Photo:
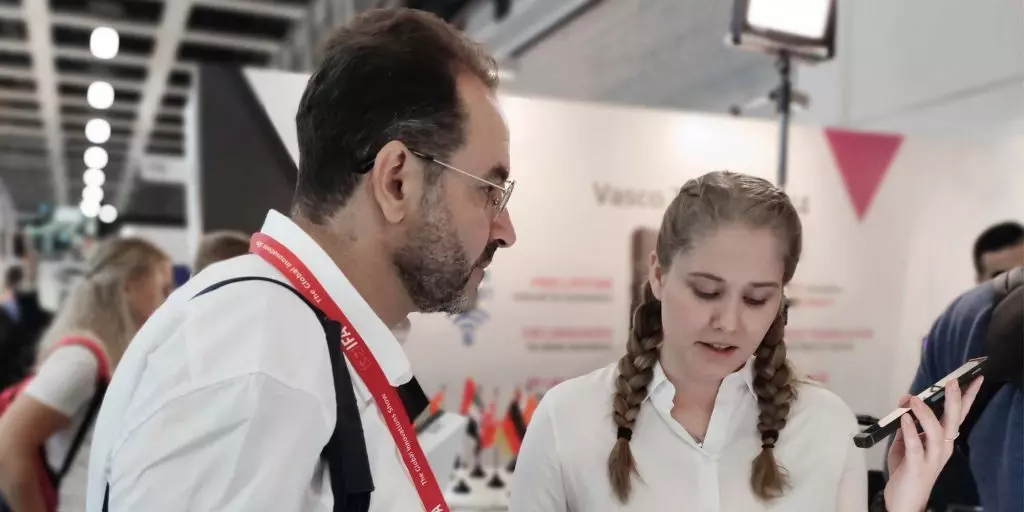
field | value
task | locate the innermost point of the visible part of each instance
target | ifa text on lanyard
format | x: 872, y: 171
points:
x: 354, y: 347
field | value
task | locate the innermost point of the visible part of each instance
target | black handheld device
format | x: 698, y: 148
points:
x: 934, y: 397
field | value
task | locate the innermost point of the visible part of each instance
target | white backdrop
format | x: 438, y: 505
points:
x: 870, y: 283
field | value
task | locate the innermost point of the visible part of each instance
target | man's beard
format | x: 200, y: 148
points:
x: 433, y: 266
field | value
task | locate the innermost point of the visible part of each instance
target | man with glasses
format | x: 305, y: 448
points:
x: 229, y: 399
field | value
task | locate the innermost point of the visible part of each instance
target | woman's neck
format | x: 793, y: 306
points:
x: 691, y: 393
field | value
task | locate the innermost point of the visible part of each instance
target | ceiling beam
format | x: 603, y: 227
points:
x: 85, y: 80
x: 9, y: 95
x: 127, y: 59
x: 22, y: 74
x: 19, y: 113
x: 168, y: 38
x: 75, y: 101
x: 40, y: 39
x: 15, y: 161
x: 141, y: 29
x: 9, y: 45
x: 22, y: 131
x: 293, y: 12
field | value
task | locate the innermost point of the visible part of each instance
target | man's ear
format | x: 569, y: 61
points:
x: 656, y: 275
x: 396, y: 181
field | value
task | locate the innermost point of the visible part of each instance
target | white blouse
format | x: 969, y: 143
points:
x: 563, y: 464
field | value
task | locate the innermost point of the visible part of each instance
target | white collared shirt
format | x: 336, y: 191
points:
x: 563, y: 464
x: 225, y: 402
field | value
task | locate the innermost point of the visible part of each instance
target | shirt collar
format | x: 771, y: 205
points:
x: 378, y: 337
x: 741, y: 380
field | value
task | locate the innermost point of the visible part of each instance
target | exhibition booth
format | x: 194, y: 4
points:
x: 888, y: 225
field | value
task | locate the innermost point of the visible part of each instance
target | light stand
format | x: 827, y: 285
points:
x: 782, y: 100
x: 778, y: 28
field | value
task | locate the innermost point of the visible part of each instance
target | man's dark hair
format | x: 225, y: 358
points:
x: 389, y: 75
x: 997, y: 238
x: 13, y: 277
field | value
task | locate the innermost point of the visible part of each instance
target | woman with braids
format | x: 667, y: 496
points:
x: 704, y: 413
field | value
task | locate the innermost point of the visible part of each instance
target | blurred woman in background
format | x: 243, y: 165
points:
x: 52, y: 412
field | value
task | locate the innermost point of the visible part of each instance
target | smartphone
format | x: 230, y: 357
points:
x: 934, y: 397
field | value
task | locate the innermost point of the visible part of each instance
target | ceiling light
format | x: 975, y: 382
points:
x: 90, y: 210
x: 97, y: 131
x: 104, y: 42
x: 108, y: 213
x: 94, y: 177
x: 95, y: 157
x: 92, y: 195
x: 100, y: 95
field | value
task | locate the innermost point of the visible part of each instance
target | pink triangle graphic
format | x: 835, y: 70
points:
x: 863, y: 159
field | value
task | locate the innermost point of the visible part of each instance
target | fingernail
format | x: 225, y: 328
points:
x: 956, y: 385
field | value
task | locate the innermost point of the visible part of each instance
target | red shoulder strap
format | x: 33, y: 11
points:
x: 94, y: 347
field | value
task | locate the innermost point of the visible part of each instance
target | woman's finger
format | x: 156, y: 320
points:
x: 969, y: 396
x: 933, y: 432
x: 951, y: 416
x: 911, y: 442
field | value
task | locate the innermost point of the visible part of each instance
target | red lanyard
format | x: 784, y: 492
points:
x: 384, y: 394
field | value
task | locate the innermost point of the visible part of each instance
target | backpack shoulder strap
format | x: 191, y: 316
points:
x: 92, y: 346
x: 345, y: 454
x: 102, y: 378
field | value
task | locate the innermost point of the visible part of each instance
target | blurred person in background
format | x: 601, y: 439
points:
x: 22, y: 318
x: 124, y: 282
x: 998, y: 249
x: 989, y: 469
x: 219, y: 246
x: 704, y: 412
x: 236, y: 396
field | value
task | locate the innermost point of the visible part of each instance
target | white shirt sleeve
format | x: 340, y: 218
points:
x: 537, y: 484
x: 853, y: 486
x: 66, y: 381
x: 247, y: 444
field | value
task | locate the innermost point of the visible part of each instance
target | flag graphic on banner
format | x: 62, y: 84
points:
x: 863, y: 159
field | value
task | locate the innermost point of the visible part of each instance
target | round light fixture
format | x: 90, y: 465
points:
x: 108, y: 213
x: 92, y: 195
x: 104, y: 42
x: 96, y: 157
x: 90, y: 210
x: 94, y: 177
x: 100, y: 95
x: 97, y: 131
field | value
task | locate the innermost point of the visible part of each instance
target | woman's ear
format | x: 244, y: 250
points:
x: 656, y: 275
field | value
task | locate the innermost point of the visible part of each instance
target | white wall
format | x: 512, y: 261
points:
x: 947, y: 68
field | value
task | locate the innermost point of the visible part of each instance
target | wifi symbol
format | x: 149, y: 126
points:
x: 468, y: 323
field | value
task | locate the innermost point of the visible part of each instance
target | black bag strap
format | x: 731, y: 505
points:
x: 90, y: 418
x: 56, y: 477
x: 998, y: 332
x: 345, y: 454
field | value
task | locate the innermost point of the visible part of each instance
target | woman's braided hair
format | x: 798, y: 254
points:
x: 704, y: 204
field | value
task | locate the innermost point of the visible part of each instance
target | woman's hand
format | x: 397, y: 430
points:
x: 915, y: 465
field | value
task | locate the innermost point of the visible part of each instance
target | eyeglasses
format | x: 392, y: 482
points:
x: 498, y: 203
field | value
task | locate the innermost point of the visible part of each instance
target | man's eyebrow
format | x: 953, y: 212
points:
x: 498, y: 174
